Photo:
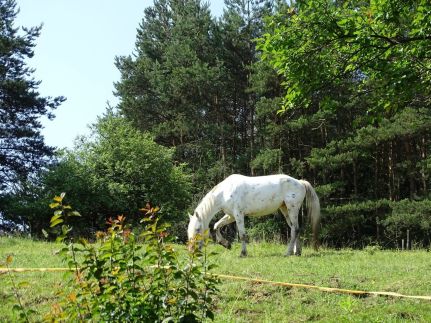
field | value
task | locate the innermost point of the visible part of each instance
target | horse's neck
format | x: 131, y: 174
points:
x: 208, y: 208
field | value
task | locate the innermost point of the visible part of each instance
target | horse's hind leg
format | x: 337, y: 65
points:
x: 291, y: 216
x: 239, y: 218
x: 227, y: 219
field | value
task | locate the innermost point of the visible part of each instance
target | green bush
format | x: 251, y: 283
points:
x: 114, y: 171
x: 384, y: 222
x: 125, y: 276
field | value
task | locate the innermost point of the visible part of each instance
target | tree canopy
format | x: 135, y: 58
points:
x: 377, y: 50
x: 118, y: 170
x: 357, y: 80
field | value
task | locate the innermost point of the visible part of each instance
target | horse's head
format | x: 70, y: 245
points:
x: 195, y: 226
x: 194, y: 229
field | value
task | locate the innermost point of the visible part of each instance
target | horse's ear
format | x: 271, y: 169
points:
x: 190, y: 216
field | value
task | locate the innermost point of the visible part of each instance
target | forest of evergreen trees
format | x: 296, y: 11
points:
x: 336, y: 92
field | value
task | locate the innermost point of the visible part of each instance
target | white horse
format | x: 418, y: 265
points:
x: 238, y: 196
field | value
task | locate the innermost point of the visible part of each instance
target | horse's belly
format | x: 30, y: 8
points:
x: 261, y: 207
x: 261, y: 213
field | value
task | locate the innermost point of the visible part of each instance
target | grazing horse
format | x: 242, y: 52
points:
x: 238, y: 196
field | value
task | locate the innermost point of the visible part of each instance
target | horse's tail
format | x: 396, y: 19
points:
x: 313, y: 210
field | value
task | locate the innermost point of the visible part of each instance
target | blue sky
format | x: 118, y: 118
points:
x: 74, y: 56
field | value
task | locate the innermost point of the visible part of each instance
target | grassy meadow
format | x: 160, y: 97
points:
x: 407, y: 272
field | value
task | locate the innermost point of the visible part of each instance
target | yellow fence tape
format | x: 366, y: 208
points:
x: 254, y: 280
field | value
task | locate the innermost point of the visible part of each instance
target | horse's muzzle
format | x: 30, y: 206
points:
x: 226, y: 244
x: 191, y: 245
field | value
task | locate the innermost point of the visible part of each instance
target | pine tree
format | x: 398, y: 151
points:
x: 22, y: 148
x: 172, y: 87
x: 241, y: 23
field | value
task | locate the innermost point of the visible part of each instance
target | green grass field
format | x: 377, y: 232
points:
x: 370, y: 269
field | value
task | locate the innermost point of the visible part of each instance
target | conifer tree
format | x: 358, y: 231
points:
x: 172, y: 87
x: 22, y: 147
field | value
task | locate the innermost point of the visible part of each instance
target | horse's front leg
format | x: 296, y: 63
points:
x: 242, y: 235
x: 227, y: 219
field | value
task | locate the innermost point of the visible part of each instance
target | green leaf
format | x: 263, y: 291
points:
x: 45, y: 234
x: 65, y: 229
x: 54, y: 223
x: 54, y: 205
x: 58, y: 199
x: 75, y: 213
x: 55, y: 217
x: 60, y: 239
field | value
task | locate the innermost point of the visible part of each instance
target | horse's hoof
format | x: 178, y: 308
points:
x: 243, y: 255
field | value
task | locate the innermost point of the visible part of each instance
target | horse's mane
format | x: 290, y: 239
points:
x: 206, y: 205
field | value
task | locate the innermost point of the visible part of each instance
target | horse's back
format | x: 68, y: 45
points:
x: 236, y: 180
x: 259, y: 195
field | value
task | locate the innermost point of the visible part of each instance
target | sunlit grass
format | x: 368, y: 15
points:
x: 369, y: 269
x: 41, y: 292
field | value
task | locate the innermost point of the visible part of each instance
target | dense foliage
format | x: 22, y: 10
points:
x: 116, y: 171
x: 130, y: 275
x: 188, y: 84
x: 357, y: 81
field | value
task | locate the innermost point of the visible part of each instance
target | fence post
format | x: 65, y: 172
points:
x: 408, y: 240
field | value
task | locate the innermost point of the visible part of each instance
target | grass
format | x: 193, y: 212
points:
x: 371, y: 270
x: 407, y: 272
x: 41, y: 292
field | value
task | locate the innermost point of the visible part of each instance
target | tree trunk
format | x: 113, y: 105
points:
x: 410, y: 167
x: 391, y: 175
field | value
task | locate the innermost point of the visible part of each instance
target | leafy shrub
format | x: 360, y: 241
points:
x: 113, y: 171
x: 23, y: 311
x: 382, y: 221
x: 127, y: 276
